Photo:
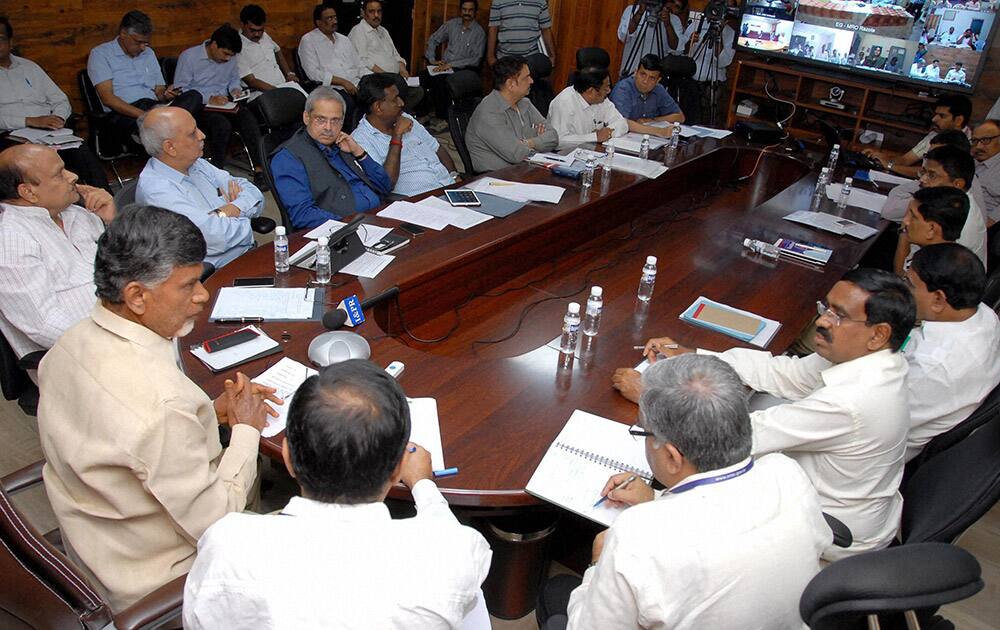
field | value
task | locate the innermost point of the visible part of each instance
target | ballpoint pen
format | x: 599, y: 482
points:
x: 621, y: 485
x: 669, y: 346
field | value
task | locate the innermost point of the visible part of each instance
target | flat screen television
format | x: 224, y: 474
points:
x: 937, y: 43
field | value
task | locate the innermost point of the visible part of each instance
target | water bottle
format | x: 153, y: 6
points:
x: 323, y: 261
x: 592, y: 318
x: 571, y: 328
x: 280, y: 250
x: 609, y: 156
x: 824, y: 177
x: 834, y: 155
x: 648, y: 279
x: 588, y: 173
x: 845, y: 193
x: 675, y: 137
x: 817, y: 198
x: 644, y: 147
x: 768, y: 250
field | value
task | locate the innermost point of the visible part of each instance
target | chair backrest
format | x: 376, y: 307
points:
x: 541, y: 93
x: 307, y: 82
x: 278, y: 108
x: 168, y: 65
x: 13, y: 380
x: 39, y: 586
x: 591, y: 57
x: 90, y: 99
x: 954, y: 488
x: 992, y: 249
x: 126, y: 194
x: 466, y: 91
x: 105, y: 148
x: 269, y: 142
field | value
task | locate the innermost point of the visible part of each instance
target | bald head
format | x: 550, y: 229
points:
x: 171, y: 135
x: 34, y: 175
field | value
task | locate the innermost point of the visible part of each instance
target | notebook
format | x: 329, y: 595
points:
x: 743, y: 325
x: 588, y: 451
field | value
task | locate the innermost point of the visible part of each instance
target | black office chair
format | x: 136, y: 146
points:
x: 677, y: 76
x: 308, y: 84
x: 466, y: 90
x: 168, y: 66
x: 592, y: 57
x: 541, y: 93
x: 102, y: 142
x: 993, y: 258
x: 280, y: 113
x: 953, y: 489
x: 14, y: 380
x: 126, y: 194
x: 855, y: 590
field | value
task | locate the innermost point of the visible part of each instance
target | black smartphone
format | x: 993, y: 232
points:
x: 254, y: 282
x: 412, y: 229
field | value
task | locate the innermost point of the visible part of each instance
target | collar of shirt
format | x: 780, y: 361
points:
x: 308, y: 508
x: 161, y: 169
x: 718, y: 472
x: 136, y: 333
x: 851, y: 371
x: 15, y: 62
x: 31, y: 212
x: 989, y: 164
x: 939, y: 332
x: 202, y: 54
x: 368, y: 28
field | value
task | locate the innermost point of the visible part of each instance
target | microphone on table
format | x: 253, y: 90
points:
x: 350, y: 309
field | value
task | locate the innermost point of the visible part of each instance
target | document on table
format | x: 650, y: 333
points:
x: 434, y: 71
x: 228, y: 357
x: 633, y: 142
x: 425, y: 429
x: 517, y: 191
x: 370, y: 234
x: 460, y: 216
x: 285, y: 376
x: 626, y: 163
x: 552, y: 158
x: 889, y: 178
x: 830, y: 223
x: 425, y: 216
x: 708, y: 132
x: 266, y: 303
x: 858, y: 198
x: 687, y: 131
x: 413, y: 81
x: 368, y: 265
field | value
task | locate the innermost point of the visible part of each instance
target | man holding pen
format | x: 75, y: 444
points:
x: 750, y: 528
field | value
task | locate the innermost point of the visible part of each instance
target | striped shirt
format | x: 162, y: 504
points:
x: 519, y: 25
x: 46, y: 273
x: 420, y: 169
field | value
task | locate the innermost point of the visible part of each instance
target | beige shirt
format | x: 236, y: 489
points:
x: 134, y: 468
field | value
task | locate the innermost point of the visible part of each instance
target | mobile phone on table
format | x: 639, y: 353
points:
x: 411, y: 228
x: 254, y: 282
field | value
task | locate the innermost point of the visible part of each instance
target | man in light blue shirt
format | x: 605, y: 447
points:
x: 210, y: 68
x: 128, y: 80
x: 178, y: 179
x: 413, y: 159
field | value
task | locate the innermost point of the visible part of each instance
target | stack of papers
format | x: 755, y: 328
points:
x: 879, y: 176
x: 266, y: 303
x: 743, y: 325
x: 370, y: 234
x: 516, y: 191
x: 434, y: 71
x: 694, y: 131
x: 830, y: 223
x: 858, y: 198
x: 461, y: 217
x: 56, y: 138
x: 224, y: 359
x: 803, y: 250
x: 633, y: 142
x: 434, y: 214
x: 546, y: 159
x: 625, y: 163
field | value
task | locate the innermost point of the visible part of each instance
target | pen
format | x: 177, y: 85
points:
x: 240, y: 320
x: 447, y: 472
x: 621, y: 485
x: 669, y: 346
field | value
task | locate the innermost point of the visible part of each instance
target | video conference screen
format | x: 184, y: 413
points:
x: 940, y: 42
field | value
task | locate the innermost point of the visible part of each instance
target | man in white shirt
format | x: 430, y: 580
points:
x: 986, y: 151
x: 261, y: 65
x: 847, y: 415
x: 954, y: 355
x: 47, y: 246
x: 644, y: 33
x: 344, y: 561
x: 951, y: 111
x: 331, y: 58
x: 582, y: 112
x: 956, y: 74
x: 374, y: 44
x: 918, y: 68
x: 933, y: 71
x: 710, y: 63
x: 732, y: 541
x: 949, y: 38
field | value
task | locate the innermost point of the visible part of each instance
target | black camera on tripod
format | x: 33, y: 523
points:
x: 653, y: 8
x: 717, y: 10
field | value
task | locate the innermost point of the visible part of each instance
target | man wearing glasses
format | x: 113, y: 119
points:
x: 986, y: 149
x: 321, y: 173
x: 846, y: 416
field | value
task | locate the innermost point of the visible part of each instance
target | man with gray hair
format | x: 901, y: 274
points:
x: 750, y: 529
x: 321, y: 173
x: 134, y: 469
x: 178, y: 178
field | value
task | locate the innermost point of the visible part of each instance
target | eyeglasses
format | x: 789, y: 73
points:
x: 637, y: 432
x: 323, y: 121
x: 144, y: 43
x: 824, y: 310
x: 986, y: 140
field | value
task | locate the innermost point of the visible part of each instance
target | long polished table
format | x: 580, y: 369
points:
x: 478, y: 308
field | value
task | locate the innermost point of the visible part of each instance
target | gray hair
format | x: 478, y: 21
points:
x: 324, y: 93
x: 154, y: 133
x: 136, y: 23
x: 698, y: 404
x: 144, y: 244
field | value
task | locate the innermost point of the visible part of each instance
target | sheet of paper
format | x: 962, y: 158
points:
x: 434, y: 71
x: 517, y: 191
x: 221, y: 359
x: 889, y: 178
x: 285, y: 376
x: 830, y: 223
x: 626, y: 163
x: 368, y: 265
x: 858, y: 198
x: 30, y: 134
x: 459, y: 216
x: 425, y: 429
x: 268, y: 303
x: 708, y: 132
x: 370, y: 234
x: 633, y: 142
x: 551, y: 158
x: 413, y: 81
x: 293, y: 85
x: 61, y: 141
x: 224, y: 107
x: 420, y: 215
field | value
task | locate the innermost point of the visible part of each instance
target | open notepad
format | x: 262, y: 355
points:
x: 579, y: 462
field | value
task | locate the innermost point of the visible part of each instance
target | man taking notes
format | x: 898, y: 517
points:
x: 642, y: 100
x: 582, y: 112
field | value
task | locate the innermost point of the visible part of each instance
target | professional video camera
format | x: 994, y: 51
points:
x: 717, y: 10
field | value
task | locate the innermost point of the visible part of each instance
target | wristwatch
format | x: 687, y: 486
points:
x: 890, y: 164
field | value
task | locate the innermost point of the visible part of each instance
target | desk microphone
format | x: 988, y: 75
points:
x: 337, y: 317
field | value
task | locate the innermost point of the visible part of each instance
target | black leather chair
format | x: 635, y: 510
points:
x: 126, y: 194
x: 855, y: 590
x: 307, y: 84
x: 592, y: 57
x: 42, y: 588
x: 991, y: 293
x: 466, y: 90
x: 168, y: 66
x: 101, y: 141
x: 677, y: 76
x: 14, y: 380
x: 541, y: 93
x: 280, y: 113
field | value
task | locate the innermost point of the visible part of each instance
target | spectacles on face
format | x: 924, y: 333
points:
x: 323, y: 121
x: 141, y: 43
x: 824, y: 310
x: 986, y: 140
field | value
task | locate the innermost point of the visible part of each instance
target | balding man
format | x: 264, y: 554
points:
x: 177, y: 178
x: 986, y: 149
x: 47, y: 246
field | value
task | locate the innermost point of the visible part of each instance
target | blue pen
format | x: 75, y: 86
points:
x: 621, y: 485
x: 447, y: 472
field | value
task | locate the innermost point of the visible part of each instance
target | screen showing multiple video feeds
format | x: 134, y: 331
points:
x: 937, y: 41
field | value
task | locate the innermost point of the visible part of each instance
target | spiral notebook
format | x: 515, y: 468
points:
x: 587, y: 451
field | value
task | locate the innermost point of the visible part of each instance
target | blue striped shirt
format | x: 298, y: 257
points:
x: 420, y: 169
x: 519, y: 25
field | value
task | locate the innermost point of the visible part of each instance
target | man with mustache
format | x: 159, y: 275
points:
x: 846, y: 417
x: 134, y: 468
x: 951, y: 111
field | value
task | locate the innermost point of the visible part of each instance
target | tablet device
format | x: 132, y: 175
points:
x: 462, y: 197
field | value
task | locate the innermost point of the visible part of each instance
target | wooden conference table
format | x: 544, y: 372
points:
x: 501, y: 404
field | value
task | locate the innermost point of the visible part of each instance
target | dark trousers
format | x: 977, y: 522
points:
x: 553, y: 601
x: 122, y: 127
x: 437, y: 86
x: 218, y: 129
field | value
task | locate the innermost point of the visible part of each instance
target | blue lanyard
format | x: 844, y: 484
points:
x: 704, y: 481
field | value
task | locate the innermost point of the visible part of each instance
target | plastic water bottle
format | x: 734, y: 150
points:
x: 323, y: 261
x: 588, y: 173
x: 824, y: 177
x: 592, y: 318
x: 769, y: 250
x: 609, y: 156
x: 648, y: 279
x: 280, y: 250
x: 571, y: 328
x: 644, y: 147
x: 817, y: 198
x: 834, y: 156
x: 675, y: 137
x: 845, y: 193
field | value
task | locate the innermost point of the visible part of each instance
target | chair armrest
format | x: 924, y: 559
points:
x: 24, y: 478
x: 31, y: 360
x: 155, y: 609
x: 842, y: 536
x: 262, y: 225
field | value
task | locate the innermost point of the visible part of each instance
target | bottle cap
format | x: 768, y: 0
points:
x: 650, y: 260
x: 324, y: 241
x: 825, y: 170
x: 279, y: 231
x: 574, y: 308
x: 645, y: 136
x: 598, y: 291
x: 848, y: 181
x: 836, y: 147
x: 747, y: 242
